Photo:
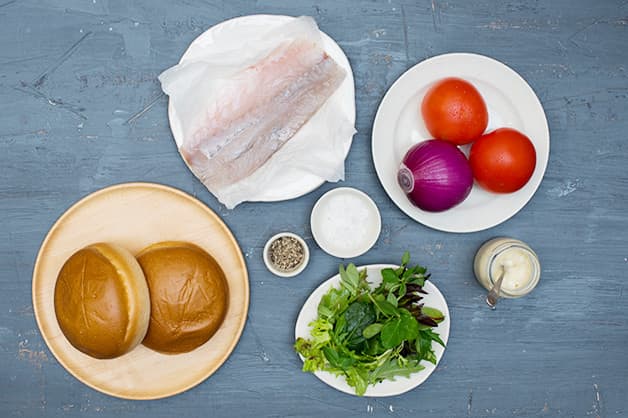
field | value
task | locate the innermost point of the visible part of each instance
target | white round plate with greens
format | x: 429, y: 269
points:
x: 433, y: 298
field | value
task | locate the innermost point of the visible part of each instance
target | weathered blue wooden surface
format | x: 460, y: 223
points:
x: 73, y: 71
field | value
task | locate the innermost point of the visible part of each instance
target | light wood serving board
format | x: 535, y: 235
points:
x: 135, y: 215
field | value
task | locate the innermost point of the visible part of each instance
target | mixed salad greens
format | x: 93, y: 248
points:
x: 369, y: 335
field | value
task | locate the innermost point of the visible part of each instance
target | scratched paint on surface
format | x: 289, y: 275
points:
x: 81, y: 109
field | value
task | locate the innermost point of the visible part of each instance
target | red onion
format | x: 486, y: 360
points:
x: 435, y: 175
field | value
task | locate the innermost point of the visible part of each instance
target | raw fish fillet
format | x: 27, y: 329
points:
x: 258, y: 110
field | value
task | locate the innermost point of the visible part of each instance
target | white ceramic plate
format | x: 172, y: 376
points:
x: 434, y: 298
x: 292, y: 183
x: 345, y: 222
x: 511, y: 103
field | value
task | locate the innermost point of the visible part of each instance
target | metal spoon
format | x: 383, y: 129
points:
x: 493, y: 295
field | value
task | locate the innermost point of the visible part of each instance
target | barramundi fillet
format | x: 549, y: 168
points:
x: 257, y: 110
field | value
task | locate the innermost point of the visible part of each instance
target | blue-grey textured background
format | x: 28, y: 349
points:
x: 73, y: 72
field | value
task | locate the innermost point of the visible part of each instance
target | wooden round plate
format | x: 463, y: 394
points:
x: 135, y: 215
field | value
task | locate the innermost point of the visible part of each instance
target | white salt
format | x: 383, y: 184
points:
x: 345, y: 219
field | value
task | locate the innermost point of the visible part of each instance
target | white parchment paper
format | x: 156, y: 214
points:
x: 317, y: 150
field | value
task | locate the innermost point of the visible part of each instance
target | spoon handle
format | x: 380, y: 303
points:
x: 493, y: 294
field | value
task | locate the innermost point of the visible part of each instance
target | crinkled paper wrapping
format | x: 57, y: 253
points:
x: 318, y: 148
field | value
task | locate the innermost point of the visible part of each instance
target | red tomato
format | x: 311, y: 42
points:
x: 454, y: 110
x: 502, y: 161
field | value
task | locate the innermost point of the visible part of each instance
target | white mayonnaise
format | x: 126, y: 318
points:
x: 520, y: 265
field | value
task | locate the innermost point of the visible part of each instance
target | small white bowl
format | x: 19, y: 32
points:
x: 291, y: 273
x: 345, y: 222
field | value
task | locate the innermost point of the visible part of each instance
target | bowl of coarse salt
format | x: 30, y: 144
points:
x: 345, y: 222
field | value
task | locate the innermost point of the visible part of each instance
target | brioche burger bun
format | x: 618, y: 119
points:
x: 189, y: 296
x: 101, y: 301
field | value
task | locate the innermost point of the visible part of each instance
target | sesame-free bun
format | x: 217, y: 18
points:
x: 189, y: 296
x: 101, y: 301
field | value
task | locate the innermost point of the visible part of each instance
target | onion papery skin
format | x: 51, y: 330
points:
x: 435, y: 175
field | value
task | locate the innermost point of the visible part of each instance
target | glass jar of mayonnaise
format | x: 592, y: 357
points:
x: 515, y: 258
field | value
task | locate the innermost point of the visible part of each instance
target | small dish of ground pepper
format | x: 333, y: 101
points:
x: 286, y: 254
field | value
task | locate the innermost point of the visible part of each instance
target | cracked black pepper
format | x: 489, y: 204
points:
x: 286, y: 253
